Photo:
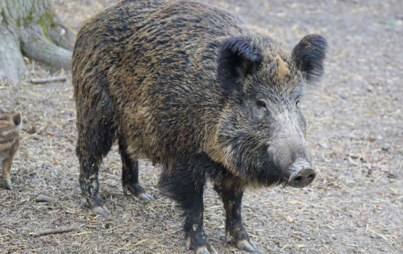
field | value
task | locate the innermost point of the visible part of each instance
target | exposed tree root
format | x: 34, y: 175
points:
x: 32, y: 28
x: 36, y: 46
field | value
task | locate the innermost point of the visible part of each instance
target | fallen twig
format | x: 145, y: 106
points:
x: 43, y: 198
x: 51, y: 79
x: 55, y: 230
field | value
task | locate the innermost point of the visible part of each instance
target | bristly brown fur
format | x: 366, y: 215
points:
x: 192, y: 87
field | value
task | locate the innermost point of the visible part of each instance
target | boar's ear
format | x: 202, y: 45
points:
x: 309, y: 54
x: 17, y: 118
x: 237, y: 58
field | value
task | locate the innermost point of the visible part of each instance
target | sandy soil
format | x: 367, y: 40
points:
x: 355, y: 131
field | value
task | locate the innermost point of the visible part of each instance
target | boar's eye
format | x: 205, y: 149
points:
x: 261, y: 104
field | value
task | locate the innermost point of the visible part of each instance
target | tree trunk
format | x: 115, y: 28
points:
x: 32, y: 28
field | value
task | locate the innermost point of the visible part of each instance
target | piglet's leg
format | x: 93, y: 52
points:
x: 6, y: 171
x: 130, y: 175
x: 231, y: 194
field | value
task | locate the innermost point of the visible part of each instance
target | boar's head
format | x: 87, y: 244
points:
x: 262, y: 132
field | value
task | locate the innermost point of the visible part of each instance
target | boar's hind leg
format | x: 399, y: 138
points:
x: 96, y: 135
x: 231, y: 193
x: 89, y: 167
x: 130, y: 174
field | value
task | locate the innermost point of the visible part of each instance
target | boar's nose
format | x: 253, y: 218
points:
x: 301, y: 175
x: 302, y: 178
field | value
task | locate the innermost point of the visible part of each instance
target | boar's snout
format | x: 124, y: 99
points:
x: 302, y: 174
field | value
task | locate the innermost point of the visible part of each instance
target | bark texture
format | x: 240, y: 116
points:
x: 32, y: 28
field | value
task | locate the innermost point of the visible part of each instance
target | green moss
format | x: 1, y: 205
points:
x: 4, y: 20
x: 46, y: 20
x: 27, y: 20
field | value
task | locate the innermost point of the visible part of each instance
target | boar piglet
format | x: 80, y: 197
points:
x: 193, y: 88
x: 9, y: 141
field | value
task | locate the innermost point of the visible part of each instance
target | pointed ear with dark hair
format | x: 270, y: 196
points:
x: 237, y: 58
x: 309, y: 54
x: 17, y: 118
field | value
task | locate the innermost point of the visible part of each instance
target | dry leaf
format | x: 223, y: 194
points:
x: 90, y: 221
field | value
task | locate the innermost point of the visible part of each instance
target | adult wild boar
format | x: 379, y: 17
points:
x: 193, y: 88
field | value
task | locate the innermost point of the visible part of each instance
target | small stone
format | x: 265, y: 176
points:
x: 31, y: 130
x: 370, y: 88
x: 323, y: 144
x: 385, y: 148
x: 391, y: 175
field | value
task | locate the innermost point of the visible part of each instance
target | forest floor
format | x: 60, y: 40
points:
x: 355, y: 131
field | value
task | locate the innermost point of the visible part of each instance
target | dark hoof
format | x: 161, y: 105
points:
x: 7, y: 184
x: 207, y: 249
x: 145, y: 196
x: 242, y: 244
x: 137, y: 191
x: 99, y: 210
x: 202, y: 250
x: 246, y: 245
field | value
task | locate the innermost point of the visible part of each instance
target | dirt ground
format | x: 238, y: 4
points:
x: 355, y: 131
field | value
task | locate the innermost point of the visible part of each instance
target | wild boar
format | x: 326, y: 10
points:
x: 193, y: 88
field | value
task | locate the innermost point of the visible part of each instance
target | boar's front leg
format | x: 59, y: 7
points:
x: 231, y: 192
x: 184, y: 182
x: 194, y: 227
x: 130, y: 174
